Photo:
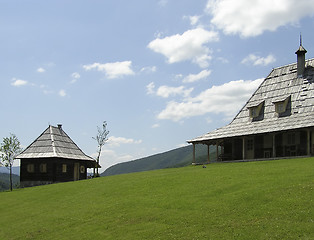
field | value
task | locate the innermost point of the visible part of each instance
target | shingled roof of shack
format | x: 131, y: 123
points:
x: 282, y: 83
x: 55, y: 143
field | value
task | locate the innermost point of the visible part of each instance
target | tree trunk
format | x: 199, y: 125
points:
x: 97, y: 174
x: 11, y: 188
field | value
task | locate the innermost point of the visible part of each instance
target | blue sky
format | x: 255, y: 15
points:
x: 159, y: 72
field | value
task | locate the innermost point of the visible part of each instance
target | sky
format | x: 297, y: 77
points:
x: 159, y: 72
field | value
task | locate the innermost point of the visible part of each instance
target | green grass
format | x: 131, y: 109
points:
x: 255, y: 200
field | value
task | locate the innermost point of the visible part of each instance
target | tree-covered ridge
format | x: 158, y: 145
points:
x: 5, y: 181
x: 174, y: 158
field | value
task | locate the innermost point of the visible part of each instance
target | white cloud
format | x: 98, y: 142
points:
x: 41, y: 70
x: 62, y: 93
x: 150, y: 88
x: 226, y: 99
x: 75, y: 76
x: 166, y: 91
x: 188, y: 46
x: 117, y: 141
x: 182, y: 145
x: 178, y: 76
x: 18, y: 82
x: 156, y: 125
x: 252, y: 17
x: 193, y: 19
x: 196, y: 77
x: 112, y: 70
x: 109, y: 157
x: 223, y: 60
x: 149, y: 69
x: 256, y: 60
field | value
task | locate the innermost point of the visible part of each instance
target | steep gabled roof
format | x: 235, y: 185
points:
x: 280, y: 84
x: 54, y: 143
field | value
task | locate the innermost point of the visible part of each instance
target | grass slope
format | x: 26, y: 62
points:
x: 253, y: 200
x: 175, y: 158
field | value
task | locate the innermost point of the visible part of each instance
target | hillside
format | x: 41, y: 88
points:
x: 251, y: 200
x: 5, y: 181
x: 15, y: 170
x: 175, y: 158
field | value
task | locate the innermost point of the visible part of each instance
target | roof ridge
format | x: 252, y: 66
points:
x: 281, y: 82
x: 52, y: 141
x: 33, y: 142
x: 77, y: 147
x: 290, y: 64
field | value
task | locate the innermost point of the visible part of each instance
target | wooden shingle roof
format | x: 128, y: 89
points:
x: 280, y: 84
x: 54, y: 143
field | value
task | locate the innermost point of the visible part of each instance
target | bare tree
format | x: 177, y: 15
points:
x: 9, y: 148
x: 101, y: 139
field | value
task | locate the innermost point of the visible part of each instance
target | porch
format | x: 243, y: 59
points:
x: 262, y: 146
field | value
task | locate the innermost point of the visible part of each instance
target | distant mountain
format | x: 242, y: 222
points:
x: 15, y: 170
x: 5, y: 181
x: 175, y: 158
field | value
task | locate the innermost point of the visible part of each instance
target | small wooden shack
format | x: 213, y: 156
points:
x: 53, y: 157
x: 277, y: 121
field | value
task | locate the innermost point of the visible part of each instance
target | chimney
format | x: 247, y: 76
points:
x: 60, y: 126
x: 300, y: 59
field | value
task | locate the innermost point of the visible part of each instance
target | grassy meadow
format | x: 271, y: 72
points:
x: 252, y: 200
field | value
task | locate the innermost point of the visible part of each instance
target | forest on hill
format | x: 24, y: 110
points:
x: 5, y: 181
x: 179, y: 157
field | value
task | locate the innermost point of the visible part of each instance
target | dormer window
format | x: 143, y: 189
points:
x: 255, y: 110
x: 282, y: 105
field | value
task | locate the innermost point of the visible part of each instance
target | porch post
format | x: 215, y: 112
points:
x: 233, y: 149
x: 217, y: 154
x: 194, y: 153
x: 274, y: 145
x: 243, y: 148
x: 208, y: 158
x: 308, y: 142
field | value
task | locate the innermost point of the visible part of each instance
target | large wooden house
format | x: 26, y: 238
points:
x: 277, y: 121
x: 53, y: 157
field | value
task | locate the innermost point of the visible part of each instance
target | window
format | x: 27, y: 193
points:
x: 291, y: 139
x: 64, y: 168
x: 82, y: 169
x: 267, y: 154
x: 256, y: 109
x: 43, y: 167
x: 280, y: 108
x: 254, y: 112
x: 30, y: 168
x: 249, y: 145
x: 282, y: 105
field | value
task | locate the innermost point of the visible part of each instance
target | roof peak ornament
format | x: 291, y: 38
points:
x: 300, y: 58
